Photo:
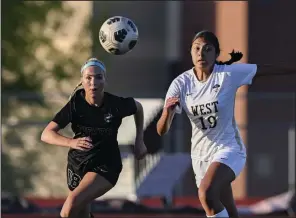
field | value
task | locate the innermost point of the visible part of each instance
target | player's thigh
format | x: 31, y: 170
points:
x: 216, y: 176
x: 90, y: 187
x: 206, y: 173
x: 233, y: 159
x: 225, y: 166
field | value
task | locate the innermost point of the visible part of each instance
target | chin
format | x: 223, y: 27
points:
x: 202, y: 65
x: 95, y: 95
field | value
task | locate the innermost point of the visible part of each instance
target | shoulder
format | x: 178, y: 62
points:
x: 111, y: 96
x: 125, y: 105
x: 236, y: 67
x: 115, y: 98
x: 183, y: 78
x: 221, y: 69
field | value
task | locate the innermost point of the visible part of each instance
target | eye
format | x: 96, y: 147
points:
x: 99, y: 76
x: 195, y: 48
x: 208, y: 48
x: 88, y: 78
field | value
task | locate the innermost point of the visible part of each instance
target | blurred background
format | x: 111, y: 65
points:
x: 44, y: 44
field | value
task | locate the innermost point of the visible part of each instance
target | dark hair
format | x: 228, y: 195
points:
x: 212, y: 38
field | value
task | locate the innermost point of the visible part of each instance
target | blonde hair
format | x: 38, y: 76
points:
x: 95, y: 62
x: 75, y: 89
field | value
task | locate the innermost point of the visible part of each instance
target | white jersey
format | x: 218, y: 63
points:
x: 209, y: 106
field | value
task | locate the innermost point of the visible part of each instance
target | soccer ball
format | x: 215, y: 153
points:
x: 118, y: 35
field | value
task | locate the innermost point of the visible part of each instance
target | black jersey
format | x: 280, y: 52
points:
x: 99, y: 123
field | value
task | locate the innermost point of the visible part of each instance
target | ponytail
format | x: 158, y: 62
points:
x: 75, y: 89
x: 235, y: 56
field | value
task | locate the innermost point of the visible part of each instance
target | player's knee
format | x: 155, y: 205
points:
x: 208, y: 193
x: 70, y: 206
x: 64, y: 214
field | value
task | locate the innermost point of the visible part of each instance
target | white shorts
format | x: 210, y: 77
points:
x: 234, y: 159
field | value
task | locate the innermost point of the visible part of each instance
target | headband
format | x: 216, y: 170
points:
x: 93, y: 63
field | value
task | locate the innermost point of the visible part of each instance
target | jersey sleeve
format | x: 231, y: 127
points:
x: 242, y: 74
x: 174, y: 91
x: 64, y: 116
x: 127, y: 106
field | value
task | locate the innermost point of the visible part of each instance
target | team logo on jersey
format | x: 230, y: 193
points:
x: 108, y: 117
x: 216, y: 87
x: 73, y: 179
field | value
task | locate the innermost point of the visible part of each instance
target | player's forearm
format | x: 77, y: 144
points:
x: 164, y: 123
x: 139, y: 120
x: 54, y: 138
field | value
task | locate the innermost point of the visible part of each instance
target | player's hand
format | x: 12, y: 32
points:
x: 171, y: 103
x: 140, y: 149
x: 82, y: 144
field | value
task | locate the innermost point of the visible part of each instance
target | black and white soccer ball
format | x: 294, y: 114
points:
x: 118, y: 35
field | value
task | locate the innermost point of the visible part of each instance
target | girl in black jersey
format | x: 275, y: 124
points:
x: 94, y: 161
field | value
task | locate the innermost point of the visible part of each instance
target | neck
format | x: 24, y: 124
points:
x: 96, y: 101
x: 202, y: 74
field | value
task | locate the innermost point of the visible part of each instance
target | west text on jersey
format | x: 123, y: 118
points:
x: 204, y: 109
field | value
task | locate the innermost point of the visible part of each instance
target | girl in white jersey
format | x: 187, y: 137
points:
x: 207, y: 94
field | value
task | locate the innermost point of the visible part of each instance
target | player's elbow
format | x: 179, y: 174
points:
x: 161, y: 132
x: 49, y: 132
x: 43, y: 136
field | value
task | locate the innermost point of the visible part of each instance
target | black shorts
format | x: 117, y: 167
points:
x: 75, y: 174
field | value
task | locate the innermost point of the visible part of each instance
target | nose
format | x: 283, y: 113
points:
x: 202, y: 52
x: 94, y: 81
